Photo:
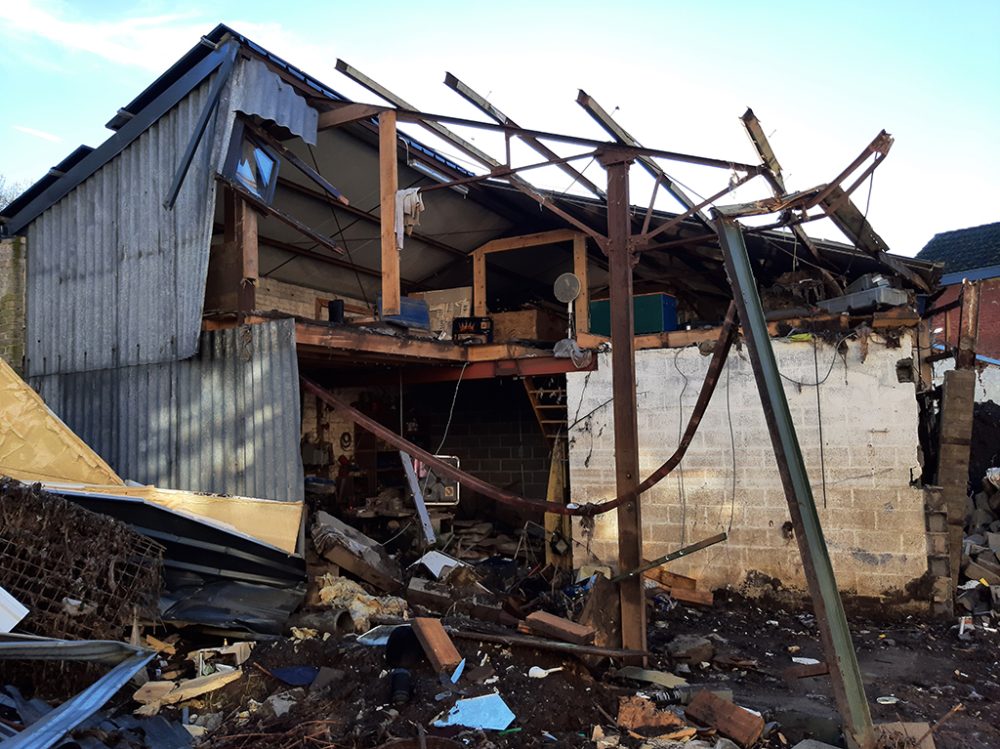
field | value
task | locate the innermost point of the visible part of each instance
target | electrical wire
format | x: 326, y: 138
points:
x: 819, y: 418
x: 340, y: 232
x: 447, y: 426
x: 680, y: 431
x: 732, y: 450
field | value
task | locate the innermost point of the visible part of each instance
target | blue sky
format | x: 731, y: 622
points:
x: 823, y: 80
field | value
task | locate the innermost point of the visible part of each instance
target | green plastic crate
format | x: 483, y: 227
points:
x: 652, y: 313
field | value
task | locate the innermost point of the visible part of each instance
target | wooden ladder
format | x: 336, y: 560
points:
x: 547, y: 396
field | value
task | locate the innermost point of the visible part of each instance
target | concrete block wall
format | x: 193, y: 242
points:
x: 873, y: 519
x: 12, y: 268
x: 296, y: 300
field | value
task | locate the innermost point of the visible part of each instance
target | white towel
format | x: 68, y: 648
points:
x: 409, y: 204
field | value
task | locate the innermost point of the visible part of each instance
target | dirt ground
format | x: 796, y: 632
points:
x: 925, y: 665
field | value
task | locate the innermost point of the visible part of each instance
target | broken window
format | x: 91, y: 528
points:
x: 251, y: 164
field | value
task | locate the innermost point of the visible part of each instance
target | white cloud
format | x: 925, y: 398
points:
x: 150, y: 42
x: 37, y: 133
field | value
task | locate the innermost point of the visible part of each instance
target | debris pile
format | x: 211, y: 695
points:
x: 979, y: 595
x: 80, y: 575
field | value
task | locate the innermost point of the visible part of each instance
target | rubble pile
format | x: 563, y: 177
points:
x: 422, y: 648
x: 979, y: 595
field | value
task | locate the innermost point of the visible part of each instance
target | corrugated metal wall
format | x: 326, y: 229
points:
x: 225, y: 421
x: 114, y: 278
x: 115, y: 290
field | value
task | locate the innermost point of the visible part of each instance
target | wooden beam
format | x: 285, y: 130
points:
x: 479, y: 284
x: 248, y: 252
x: 345, y: 114
x: 485, y: 106
x: 529, y: 240
x: 581, y: 306
x: 388, y: 185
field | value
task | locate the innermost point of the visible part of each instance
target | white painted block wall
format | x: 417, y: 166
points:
x: 872, y: 517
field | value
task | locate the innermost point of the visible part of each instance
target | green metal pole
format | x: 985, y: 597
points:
x: 845, y: 674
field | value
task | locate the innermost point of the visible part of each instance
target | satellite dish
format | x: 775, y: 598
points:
x: 566, y: 288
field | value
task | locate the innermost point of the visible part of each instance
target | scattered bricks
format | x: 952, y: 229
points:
x: 976, y: 571
x: 562, y: 629
x: 732, y: 721
x: 440, y: 650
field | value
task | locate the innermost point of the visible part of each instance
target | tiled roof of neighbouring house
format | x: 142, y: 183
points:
x: 964, y: 249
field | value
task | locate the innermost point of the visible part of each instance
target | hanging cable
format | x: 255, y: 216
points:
x: 680, y: 431
x: 732, y: 450
x: 340, y: 232
x: 819, y: 418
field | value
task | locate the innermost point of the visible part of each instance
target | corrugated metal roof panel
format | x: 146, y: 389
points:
x: 256, y: 90
x: 226, y: 421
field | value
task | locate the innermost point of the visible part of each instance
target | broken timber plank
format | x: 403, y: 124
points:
x: 440, y: 650
x: 545, y: 623
x: 540, y: 643
x: 695, y: 597
x: 732, y: 721
x: 355, y: 552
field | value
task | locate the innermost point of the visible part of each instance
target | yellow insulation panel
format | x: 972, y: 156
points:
x: 36, y: 446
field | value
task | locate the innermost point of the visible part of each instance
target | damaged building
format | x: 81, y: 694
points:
x: 264, y: 305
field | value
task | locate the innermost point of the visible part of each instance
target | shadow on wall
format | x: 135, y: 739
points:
x: 225, y: 421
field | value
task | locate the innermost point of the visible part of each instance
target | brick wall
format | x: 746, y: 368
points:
x: 12, y: 266
x: 873, y: 519
x: 988, y: 333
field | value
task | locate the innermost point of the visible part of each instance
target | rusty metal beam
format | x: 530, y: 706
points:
x: 406, y: 112
x: 481, y: 103
x: 835, y: 634
x: 605, y: 120
x: 620, y: 261
x: 777, y: 182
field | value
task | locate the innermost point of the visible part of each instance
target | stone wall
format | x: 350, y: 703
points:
x: 872, y: 517
x: 12, y: 266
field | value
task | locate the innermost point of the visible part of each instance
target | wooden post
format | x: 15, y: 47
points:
x: 968, y: 329
x: 581, y: 307
x: 388, y: 185
x: 248, y: 253
x: 620, y: 262
x: 479, y: 283
x: 557, y: 493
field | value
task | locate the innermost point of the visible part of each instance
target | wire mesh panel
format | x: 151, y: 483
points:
x: 81, y: 575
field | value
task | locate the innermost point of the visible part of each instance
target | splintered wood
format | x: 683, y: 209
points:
x: 640, y: 714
